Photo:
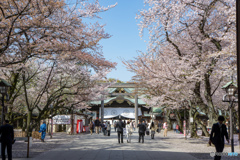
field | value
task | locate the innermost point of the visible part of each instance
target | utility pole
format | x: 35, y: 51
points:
x: 102, y: 110
x: 136, y: 109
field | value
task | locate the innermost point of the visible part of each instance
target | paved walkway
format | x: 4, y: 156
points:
x: 99, y: 147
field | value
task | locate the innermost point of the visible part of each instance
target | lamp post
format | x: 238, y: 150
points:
x: 231, y: 90
x: 3, y: 90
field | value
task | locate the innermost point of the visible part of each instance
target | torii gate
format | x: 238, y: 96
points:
x: 123, y: 85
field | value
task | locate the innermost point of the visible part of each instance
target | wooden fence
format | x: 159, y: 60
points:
x: 35, y: 134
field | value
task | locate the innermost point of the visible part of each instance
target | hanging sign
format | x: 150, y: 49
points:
x: 62, y: 119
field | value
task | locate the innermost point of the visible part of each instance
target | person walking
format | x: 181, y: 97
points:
x: 177, y: 128
x: 218, y: 132
x: 146, y: 127
x: 165, y: 129
x: 159, y: 127
x: 43, y: 128
x: 104, y: 124
x: 153, y: 129
x: 108, y: 128
x: 133, y: 125
x: 174, y: 127
x: 141, y: 131
x: 97, y: 124
x: 120, y: 126
x: 7, y: 139
x: 91, y: 127
x: 115, y: 125
x: 129, y: 130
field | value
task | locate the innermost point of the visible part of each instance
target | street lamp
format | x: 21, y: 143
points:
x: 231, y: 90
x: 3, y: 90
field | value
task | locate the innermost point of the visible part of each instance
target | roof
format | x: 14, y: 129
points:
x: 121, y: 97
x: 123, y: 85
x: 2, y: 81
x: 106, y: 101
x: 228, y: 84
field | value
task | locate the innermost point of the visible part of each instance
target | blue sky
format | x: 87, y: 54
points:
x: 125, y: 41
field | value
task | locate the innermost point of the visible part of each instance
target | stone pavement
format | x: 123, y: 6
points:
x: 99, y: 147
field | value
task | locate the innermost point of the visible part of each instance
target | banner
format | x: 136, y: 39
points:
x: 125, y: 112
x: 62, y: 119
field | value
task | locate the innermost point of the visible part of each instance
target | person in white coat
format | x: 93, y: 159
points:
x: 128, y: 132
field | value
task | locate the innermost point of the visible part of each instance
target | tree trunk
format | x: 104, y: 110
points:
x: 179, y: 121
x: 29, y: 119
x: 24, y: 124
x: 168, y: 118
x: 204, y: 128
x: 193, y: 124
x: 205, y: 131
x: 193, y: 131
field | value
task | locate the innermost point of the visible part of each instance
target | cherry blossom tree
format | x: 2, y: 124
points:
x: 55, y: 87
x: 47, y: 49
x: 190, y: 43
x: 52, y: 30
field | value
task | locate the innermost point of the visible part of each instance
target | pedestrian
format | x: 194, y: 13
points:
x: 177, y: 128
x: 124, y: 122
x: 43, y: 128
x: 153, y: 129
x: 159, y: 127
x: 219, y: 130
x: 7, y: 139
x: 115, y: 125
x: 120, y: 126
x: 165, y: 129
x: 143, y: 123
x: 141, y: 131
x: 104, y: 128
x: 133, y: 125
x: 97, y: 124
x: 91, y: 127
x: 174, y: 127
x: 108, y: 129
x: 129, y: 130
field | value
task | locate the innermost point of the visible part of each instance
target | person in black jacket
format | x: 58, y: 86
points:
x: 7, y: 138
x: 97, y: 124
x: 219, y: 130
x: 141, y: 131
x: 120, y: 126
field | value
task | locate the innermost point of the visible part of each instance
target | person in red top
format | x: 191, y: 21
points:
x: 177, y: 128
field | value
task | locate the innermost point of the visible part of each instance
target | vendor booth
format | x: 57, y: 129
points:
x: 79, y: 126
x: 64, y: 123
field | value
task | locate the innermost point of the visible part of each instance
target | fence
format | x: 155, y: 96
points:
x: 19, y: 133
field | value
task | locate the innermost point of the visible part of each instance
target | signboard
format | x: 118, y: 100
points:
x: 191, y: 119
x: 62, y: 119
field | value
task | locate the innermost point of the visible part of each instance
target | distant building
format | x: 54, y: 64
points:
x: 121, y: 103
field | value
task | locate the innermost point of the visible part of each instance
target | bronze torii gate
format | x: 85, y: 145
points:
x: 123, y: 85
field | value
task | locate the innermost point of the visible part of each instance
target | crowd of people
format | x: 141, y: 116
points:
x: 123, y: 127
